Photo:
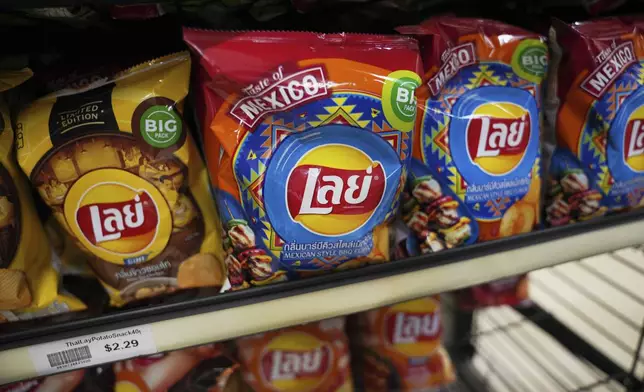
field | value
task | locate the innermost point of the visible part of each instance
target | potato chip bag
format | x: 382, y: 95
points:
x: 195, y: 369
x: 478, y: 131
x: 28, y: 280
x: 308, y: 147
x: 61, y: 382
x: 598, y: 165
x: 475, y: 173
x: 511, y: 291
x: 117, y: 165
x: 312, y: 357
x: 398, y: 348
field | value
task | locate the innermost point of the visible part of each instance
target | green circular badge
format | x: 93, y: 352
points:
x: 402, y: 98
x: 398, y: 99
x: 530, y: 60
x: 160, y: 126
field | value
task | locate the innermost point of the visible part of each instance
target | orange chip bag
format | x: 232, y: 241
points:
x: 308, y: 146
x: 475, y: 175
x: 312, y: 357
x: 398, y: 348
x: 597, y: 167
x: 61, y: 382
x: 195, y: 369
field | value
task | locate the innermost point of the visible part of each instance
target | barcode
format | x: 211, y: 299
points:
x: 69, y: 356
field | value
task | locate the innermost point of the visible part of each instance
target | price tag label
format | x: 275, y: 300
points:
x: 91, y: 350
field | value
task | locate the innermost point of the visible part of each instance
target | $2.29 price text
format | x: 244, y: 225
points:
x: 124, y: 345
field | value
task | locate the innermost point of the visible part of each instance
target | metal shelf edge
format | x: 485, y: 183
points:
x: 250, y: 318
x: 356, y: 297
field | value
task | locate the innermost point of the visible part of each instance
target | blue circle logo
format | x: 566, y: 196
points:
x: 331, y: 181
x: 625, y: 147
x: 494, y: 133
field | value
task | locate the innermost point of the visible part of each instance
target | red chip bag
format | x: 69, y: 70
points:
x: 398, y: 348
x: 202, y: 368
x: 312, y: 357
x: 475, y: 174
x: 510, y: 291
x: 62, y: 382
x: 308, y: 139
x: 597, y: 167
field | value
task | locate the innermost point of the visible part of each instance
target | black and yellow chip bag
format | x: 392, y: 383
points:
x: 117, y: 165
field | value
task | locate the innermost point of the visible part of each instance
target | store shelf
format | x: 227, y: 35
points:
x: 194, y: 318
x: 600, y: 300
x: 581, y: 332
x: 512, y: 353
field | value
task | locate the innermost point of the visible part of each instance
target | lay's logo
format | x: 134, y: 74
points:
x: 295, y: 361
x: 291, y: 365
x: 413, y: 328
x: 634, y: 144
x: 118, y: 216
x: 103, y: 222
x: 625, y: 143
x: 407, y: 327
x: 334, y: 189
x: 498, y: 134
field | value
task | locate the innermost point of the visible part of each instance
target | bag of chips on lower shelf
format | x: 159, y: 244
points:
x: 308, y: 146
x: 62, y: 382
x: 512, y: 291
x: 117, y: 165
x: 196, y: 369
x: 398, y: 348
x: 597, y: 166
x: 312, y: 357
